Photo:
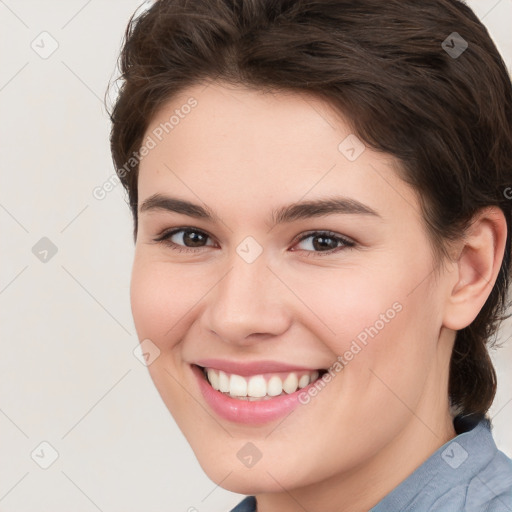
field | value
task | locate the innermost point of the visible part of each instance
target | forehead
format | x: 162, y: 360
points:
x: 224, y: 141
x: 242, y: 120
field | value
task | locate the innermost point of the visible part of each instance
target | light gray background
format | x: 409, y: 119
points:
x: 68, y: 374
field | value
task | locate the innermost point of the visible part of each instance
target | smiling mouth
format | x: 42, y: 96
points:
x: 262, y: 386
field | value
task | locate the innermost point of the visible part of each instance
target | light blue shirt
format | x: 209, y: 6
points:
x: 467, y: 474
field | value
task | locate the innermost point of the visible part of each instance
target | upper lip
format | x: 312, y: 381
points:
x: 250, y: 367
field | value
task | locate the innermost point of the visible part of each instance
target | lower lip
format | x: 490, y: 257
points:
x: 244, y: 411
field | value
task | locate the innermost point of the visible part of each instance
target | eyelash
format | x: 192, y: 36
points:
x: 164, y: 238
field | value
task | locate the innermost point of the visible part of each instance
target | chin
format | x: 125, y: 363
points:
x: 247, y: 481
x: 266, y: 476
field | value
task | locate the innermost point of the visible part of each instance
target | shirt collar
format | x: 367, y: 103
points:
x: 467, y: 454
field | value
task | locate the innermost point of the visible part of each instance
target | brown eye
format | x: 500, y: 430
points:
x: 324, y: 242
x: 193, y: 238
x: 184, y: 239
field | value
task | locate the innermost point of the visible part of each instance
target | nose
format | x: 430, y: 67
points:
x: 249, y: 304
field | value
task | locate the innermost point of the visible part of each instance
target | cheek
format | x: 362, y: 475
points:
x: 375, y: 320
x: 346, y: 304
x: 160, y: 297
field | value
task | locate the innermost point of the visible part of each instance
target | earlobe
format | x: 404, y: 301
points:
x: 477, y: 267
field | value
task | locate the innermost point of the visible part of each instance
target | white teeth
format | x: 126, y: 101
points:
x: 213, y: 377
x: 274, y: 386
x: 303, y: 381
x: 290, y: 383
x: 237, y: 386
x: 223, y: 382
x: 257, y: 387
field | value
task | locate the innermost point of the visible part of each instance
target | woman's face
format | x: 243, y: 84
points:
x: 270, y: 288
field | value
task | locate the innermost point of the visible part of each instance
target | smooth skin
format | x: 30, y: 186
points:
x: 243, y: 153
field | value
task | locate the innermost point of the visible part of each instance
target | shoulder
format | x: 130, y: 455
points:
x: 488, y: 490
x: 468, y: 473
x: 491, y: 489
x: 248, y: 504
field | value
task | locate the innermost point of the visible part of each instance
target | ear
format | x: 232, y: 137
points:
x: 477, y: 267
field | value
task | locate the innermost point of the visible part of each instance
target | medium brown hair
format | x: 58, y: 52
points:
x: 394, y: 68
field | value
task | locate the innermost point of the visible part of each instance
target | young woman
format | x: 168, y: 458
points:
x: 321, y: 200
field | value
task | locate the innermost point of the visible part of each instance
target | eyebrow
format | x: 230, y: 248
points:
x: 284, y: 214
